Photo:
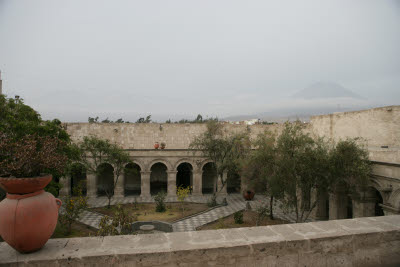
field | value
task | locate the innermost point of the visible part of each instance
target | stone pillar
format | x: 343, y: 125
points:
x: 145, y: 183
x: 66, y: 186
x: 224, y: 189
x: 337, y: 206
x: 172, y: 183
x: 119, y: 186
x: 197, y: 183
x: 91, y: 185
x: 321, y: 210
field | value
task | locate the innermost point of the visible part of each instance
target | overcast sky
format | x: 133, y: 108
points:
x: 170, y: 58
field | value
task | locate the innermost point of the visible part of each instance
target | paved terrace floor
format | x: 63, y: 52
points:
x: 235, y: 203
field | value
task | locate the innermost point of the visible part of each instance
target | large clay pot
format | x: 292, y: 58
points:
x: 248, y: 194
x: 28, y: 215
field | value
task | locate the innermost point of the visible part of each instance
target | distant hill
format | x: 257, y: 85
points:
x: 326, y: 90
x: 318, y: 98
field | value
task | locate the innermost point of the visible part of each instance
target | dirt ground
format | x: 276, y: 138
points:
x: 249, y: 220
x: 147, y: 211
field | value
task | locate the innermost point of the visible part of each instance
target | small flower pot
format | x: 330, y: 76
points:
x: 156, y: 145
x: 28, y: 215
x: 163, y: 145
x: 248, y: 195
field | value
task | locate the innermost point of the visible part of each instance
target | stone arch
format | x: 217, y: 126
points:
x: 158, y: 178
x: 159, y: 160
x: 78, y: 178
x: 394, y: 199
x: 183, y: 160
x: 132, y: 179
x: 105, y: 179
x: 208, y: 178
x: 204, y: 162
x: 140, y: 164
x: 184, y: 175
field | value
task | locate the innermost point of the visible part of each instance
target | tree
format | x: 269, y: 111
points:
x: 301, y: 166
x: 199, y: 118
x: 93, y: 120
x: 350, y: 165
x: 143, y: 120
x: 258, y: 167
x: 18, y: 121
x: 95, y: 152
x: 223, y: 149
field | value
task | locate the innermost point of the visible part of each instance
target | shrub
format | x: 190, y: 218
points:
x: 73, y: 208
x: 160, y: 201
x: 31, y: 156
x: 119, y: 224
x: 182, y: 193
x: 262, y: 212
x: 238, y: 217
x: 212, y: 202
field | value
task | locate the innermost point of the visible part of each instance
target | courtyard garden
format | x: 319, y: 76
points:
x: 147, y: 211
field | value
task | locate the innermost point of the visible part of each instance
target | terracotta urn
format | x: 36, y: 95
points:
x: 248, y: 194
x: 28, y: 215
x: 156, y: 145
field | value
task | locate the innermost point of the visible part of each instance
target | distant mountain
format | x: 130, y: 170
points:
x: 326, y: 90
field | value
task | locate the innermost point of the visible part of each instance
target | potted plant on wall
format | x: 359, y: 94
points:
x: 163, y: 145
x: 28, y: 215
x: 156, y: 145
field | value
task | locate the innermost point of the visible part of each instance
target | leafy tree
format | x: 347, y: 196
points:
x: 301, y: 166
x: 96, y: 151
x: 106, y: 121
x: 199, y: 118
x: 350, y: 165
x: 17, y: 121
x: 144, y: 120
x: 93, y: 120
x: 120, y: 120
x: 258, y: 167
x: 223, y: 149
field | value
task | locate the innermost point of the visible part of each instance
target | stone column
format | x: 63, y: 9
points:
x: 119, y: 186
x: 91, y: 185
x: 224, y: 189
x: 66, y: 186
x: 197, y: 183
x: 172, y: 183
x: 145, y: 183
x: 337, y: 206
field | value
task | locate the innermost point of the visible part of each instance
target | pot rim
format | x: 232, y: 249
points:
x: 14, y: 185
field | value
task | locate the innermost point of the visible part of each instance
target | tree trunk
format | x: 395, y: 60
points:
x: 271, y: 213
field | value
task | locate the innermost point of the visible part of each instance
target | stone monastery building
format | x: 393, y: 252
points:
x: 164, y: 169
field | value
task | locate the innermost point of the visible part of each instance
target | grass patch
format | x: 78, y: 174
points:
x: 249, y: 220
x: 147, y: 211
x: 78, y: 230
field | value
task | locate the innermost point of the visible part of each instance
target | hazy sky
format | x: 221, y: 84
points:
x: 74, y: 59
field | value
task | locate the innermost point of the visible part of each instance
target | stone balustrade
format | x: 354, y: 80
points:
x: 371, y: 241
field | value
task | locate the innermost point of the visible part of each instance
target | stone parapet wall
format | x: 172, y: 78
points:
x: 355, y: 242
x: 379, y: 127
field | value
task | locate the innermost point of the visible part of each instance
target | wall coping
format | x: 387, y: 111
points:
x: 249, y: 243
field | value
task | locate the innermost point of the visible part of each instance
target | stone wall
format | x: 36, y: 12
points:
x: 380, y: 127
x: 144, y: 135
x: 356, y: 242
